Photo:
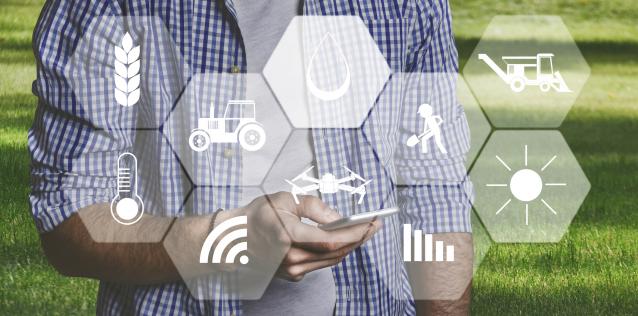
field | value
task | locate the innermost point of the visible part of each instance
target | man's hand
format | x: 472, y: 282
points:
x: 275, y: 230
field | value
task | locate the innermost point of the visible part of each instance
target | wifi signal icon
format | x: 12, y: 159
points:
x: 231, y: 234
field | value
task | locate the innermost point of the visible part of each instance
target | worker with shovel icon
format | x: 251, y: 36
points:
x: 431, y: 129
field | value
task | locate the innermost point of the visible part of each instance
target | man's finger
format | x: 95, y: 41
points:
x: 315, y: 209
x: 314, y: 239
x: 309, y: 206
x: 375, y: 226
x: 306, y: 236
x: 298, y: 271
x: 297, y: 255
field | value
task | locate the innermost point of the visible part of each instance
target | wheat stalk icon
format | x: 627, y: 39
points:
x: 127, y: 72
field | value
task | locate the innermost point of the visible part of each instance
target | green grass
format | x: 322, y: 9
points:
x: 593, y: 270
x: 29, y: 285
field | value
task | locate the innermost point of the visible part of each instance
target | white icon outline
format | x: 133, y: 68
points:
x: 310, y: 84
x: 229, y: 235
x: 425, y: 248
x: 328, y: 184
x: 127, y: 206
x: 515, y: 75
x: 526, y: 185
x: 127, y: 66
x: 431, y: 129
x: 249, y: 133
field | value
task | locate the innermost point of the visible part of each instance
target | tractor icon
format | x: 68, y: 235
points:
x: 237, y: 125
x: 518, y: 68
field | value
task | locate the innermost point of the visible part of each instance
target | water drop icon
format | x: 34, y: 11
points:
x: 328, y: 40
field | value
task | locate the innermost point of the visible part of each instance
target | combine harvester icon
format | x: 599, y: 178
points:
x: 516, y: 76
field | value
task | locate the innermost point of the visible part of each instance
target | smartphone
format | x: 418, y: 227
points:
x: 358, y: 219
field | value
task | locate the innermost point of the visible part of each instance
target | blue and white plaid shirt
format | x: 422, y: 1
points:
x: 73, y: 158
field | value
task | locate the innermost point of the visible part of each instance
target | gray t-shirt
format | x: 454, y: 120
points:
x: 262, y: 23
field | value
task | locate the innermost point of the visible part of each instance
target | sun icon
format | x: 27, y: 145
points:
x: 526, y: 185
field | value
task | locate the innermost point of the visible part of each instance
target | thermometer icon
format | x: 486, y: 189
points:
x: 127, y: 207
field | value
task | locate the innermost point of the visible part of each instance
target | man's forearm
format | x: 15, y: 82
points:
x: 444, y: 288
x: 460, y: 306
x: 73, y: 252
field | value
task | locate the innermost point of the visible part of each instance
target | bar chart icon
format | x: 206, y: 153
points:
x: 425, y: 248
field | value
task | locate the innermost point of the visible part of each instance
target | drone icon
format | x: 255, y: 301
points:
x: 328, y: 183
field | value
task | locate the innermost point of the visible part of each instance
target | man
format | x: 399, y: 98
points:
x: 72, y: 169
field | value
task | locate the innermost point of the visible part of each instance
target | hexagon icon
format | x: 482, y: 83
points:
x: 441, y: 278
x: 529, y: 186
x: 464, y: 128
x: 298, y: 172
x: 420, y: 124
x: 237, y: 258
x: 227, y: 129
x: 438, y: 244
x: 135, y: 208
x: 126, y: 73
x: 526, y: 71
x: 326, y: 71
